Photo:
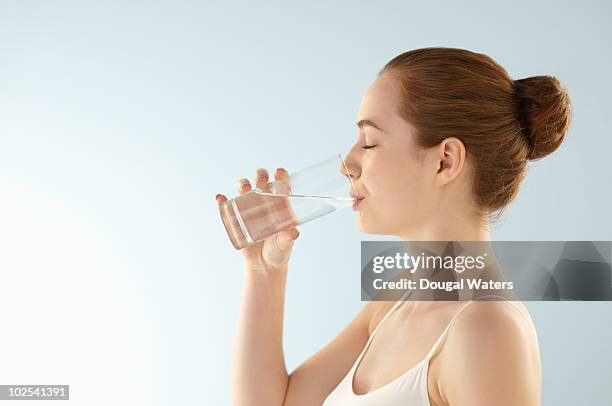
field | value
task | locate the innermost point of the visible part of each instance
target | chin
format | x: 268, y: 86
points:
x: 371, y: 226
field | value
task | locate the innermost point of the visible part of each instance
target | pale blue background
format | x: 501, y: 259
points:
x: 119, y: 121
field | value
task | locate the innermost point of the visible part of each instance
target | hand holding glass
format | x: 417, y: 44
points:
x: 304, y: 196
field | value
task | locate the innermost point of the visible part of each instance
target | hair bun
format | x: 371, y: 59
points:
x: 543, y: 112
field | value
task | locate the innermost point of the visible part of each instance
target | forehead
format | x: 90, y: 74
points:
x: 379, y: 102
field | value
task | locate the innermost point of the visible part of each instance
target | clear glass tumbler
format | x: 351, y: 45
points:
x: 303, y: 196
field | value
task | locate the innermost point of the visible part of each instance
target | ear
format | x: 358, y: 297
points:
x: 451, y: 158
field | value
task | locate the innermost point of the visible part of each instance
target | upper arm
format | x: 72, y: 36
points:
x: 490, y: 359
x: 315, y: 378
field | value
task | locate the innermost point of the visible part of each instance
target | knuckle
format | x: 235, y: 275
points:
x: 261, y: 174
x: 242, y: 183
x: 281, y: 172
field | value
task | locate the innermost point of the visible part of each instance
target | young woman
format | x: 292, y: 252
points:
x: 444, y: 136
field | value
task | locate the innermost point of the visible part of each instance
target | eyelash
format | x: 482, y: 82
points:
x: 368, y: 146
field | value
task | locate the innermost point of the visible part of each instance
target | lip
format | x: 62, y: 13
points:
x: 356, y: 201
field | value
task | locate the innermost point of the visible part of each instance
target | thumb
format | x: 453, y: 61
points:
x: 286, y: 238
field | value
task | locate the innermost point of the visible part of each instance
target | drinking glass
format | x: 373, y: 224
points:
x: 303, y: 196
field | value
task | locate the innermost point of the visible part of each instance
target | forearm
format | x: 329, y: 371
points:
x: 258, y: 372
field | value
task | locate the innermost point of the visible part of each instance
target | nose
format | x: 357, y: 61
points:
x: 349, y: 167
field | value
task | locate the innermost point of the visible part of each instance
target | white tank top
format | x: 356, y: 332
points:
x: 410, y: 388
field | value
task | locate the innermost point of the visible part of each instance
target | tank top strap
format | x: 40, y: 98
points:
x: 397, y: 304
x: 439, y: 340
x: 510, y: 303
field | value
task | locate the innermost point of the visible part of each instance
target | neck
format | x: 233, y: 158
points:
x: 433, y: 238
x: 450, y: 228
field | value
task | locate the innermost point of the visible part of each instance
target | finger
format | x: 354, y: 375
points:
x: 220, y: 198
x: 281, y: 174
x: 293, y: 233
x: 243, y: 186
x: 261, y: 179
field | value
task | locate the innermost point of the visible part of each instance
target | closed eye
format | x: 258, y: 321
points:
x: 368, y: 146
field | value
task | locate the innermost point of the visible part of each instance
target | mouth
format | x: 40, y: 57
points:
x: 356, y: 198
x: 356, y: 201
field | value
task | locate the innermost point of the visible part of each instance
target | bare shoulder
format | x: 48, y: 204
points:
x: 484, y: 318
x: 492, y: 349
x: 493, y: 326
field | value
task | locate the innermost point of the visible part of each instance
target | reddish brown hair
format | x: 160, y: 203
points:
x: 449, y: 92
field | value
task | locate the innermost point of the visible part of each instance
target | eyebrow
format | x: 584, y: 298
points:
x: 366, y: 122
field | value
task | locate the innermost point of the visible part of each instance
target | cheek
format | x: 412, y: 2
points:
x: 396, y: 187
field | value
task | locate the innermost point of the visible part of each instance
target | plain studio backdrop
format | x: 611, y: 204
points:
x: 120, y: 121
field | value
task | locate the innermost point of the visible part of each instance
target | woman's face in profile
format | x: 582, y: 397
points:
x: 389, y: 169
